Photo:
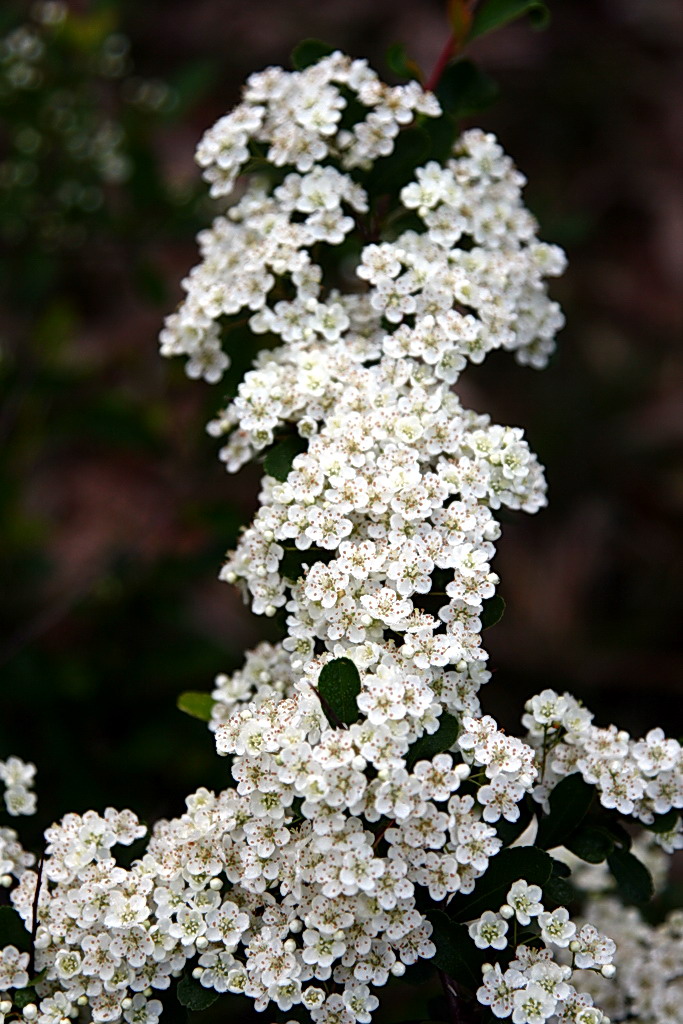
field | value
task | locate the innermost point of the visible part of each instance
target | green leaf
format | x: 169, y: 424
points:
x: 198, y: 705
x: 464, y: 89
x: 338, y: 687
x: 400, y: 63
x: 664, y: 822
x: 278, y: 461
x: 492, y: 611
x: 527, y: 862
x: 633, y: 879
x: 456, y: 953
x: 493, y: 14
x: 390, y: 173
x: 24, y: 996
x: 442, y: 132
x: 309, y: 51
x: 12, y: 930
x: 558, y: 889
x: 619, y: 834
x: 508, y: 831
x: 591, y: 843
x: 569, y: 804
x: 435, y: 743
x: 194, y: 996
x: 459, y: 13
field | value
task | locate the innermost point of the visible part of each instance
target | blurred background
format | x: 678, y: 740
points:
x: 115, y: 511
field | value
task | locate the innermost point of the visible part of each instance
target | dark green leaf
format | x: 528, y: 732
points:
x: 194, y: 996
x: 459, y: 13
x: 492, y: 611
x: 456, y: 953
x: 619, y: 834
x: 12, y: 930
x: 508, y: 831
x: 569, y: 803
x: 435, y: 743
x: 24, y: 996
x: 309, y: 51
x: 527, y: 862
x: 339, y: 686
x: 493, y: 14
x: 558, y: 889
x: 560, y: 869
x: 199, y: 705
x: 400, y: 63
x: 664, y: 822
x: 278, y: 461
x: 442, y: 132
x: 591, y: 843
x: 464, y: 89
x: 390, y: 173
x: 633, y: 879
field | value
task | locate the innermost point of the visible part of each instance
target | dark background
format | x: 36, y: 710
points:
x: 114, y: 509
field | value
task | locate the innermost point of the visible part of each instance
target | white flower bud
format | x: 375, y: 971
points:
x: 30, y: 1011
x: 574, y: 946
x: 202, y: 942
x: 82, y: 1000
x: 295, y: 926
x: 126, y: 1003
x: 5, y: 882
x: 506, y: 912
x: 398, y: 969
x: 270, y: 610
x: 289, y: 945
x: 608, y: 970
x: 197, y: 972
x: 216, y: 884
x: 5, y: 1005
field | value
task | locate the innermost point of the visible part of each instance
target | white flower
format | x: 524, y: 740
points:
x: 489, y: 930
x: 532, y: 1004
x: 13, y: 964
x: 498, y: 989
x: 556, y: 928
x: 525, y: 900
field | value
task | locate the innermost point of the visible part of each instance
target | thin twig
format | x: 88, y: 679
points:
x: 440, y: 66
x: 453, y: 46
x: 34, y: 920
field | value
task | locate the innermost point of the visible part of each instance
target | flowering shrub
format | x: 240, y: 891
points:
x: 377, y: 817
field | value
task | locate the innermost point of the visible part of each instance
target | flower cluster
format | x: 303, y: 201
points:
x: 638, y: 778
x: 536, y: 987
x: 367, y: 784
